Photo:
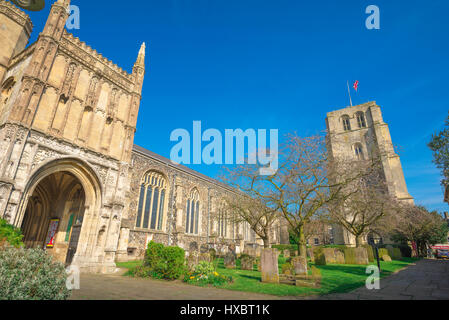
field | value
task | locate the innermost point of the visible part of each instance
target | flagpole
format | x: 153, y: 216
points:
x: 349, y: 91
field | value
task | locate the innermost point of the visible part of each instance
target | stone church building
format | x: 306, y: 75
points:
x: 70, y: 175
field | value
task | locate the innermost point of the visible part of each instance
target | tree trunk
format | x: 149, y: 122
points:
x: 358, y: 241
x: 266, y: 242
x: 302, y: 243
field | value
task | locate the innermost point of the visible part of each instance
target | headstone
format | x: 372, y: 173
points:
x: 192, y: 260
x: 193, y: 246
x: 361, y: 256
x: 310, y: 254
x: 250, y: 251
x: 204, y: 257
x: 299, y: 265
x: 258, y: 251
x: 247, y: 263
x: 286, y: 253
x: 296, y: 253
x: 386, y: 258
x: 231, y: 248
x: 339, y: 257
x: 269, y: 265
x: 329, y: 255
x: 229, y: 260
x: 204, y: 248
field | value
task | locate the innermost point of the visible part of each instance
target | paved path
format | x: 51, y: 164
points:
x: 117, y: 287
x: 425, y: 280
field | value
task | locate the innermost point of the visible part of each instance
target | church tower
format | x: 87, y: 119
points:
x: 67, y: 123
x: 361, y: 132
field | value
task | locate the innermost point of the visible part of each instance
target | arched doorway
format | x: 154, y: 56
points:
x: 60, y: 210
x: 54, y: 216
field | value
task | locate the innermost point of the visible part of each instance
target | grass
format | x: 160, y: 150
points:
x: 335, y: 278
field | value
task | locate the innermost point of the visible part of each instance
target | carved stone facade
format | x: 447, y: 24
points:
x: 361, y: 132
x: 67, y: 123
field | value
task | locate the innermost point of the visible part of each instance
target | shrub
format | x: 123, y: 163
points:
x: 349, y: 255
x: 370, y: 251
x: 204, y: 267
x: 282, y: 247
x: 163, y: 262
x: 153, y: 254
x: 31, y: 274
x: 11, y: 234
x: 204, y: 274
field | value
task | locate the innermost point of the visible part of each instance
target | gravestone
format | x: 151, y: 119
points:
x: 286, y: 253
x: 193, y: 246
x: 296, y: 253
x: 192, y: 260
x: 269, y: 265
x: 250, y: 251
x: 247, y: 263
x: 204, y: 257
x: 258, y: 252
x: 229, y: 260
x: 386, y: 258
x: 329, y: 255
x: 299, y: 265
x: 310, y: 254
x: 204, y: 248
x: 339, y: 257
x: 361, y: 256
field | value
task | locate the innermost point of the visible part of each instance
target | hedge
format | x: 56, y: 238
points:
x: 282, y: 247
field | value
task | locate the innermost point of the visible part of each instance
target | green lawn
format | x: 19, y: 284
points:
x: 335, y: 278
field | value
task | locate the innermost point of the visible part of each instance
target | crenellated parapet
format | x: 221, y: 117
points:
x: 73, y: 46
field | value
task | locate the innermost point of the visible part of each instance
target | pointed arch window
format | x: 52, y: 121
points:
x: 150, y: 211
x: 193, y: 212
x: 361, y: 119
x: 346, y: 123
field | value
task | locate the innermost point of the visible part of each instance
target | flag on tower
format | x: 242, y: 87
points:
x: 356, y: 85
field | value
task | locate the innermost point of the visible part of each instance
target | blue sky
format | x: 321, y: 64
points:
x: 281, y: 65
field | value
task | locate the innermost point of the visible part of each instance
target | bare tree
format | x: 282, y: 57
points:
x: 299, y: 189
x: 260, y: 217
x: 364, y: 201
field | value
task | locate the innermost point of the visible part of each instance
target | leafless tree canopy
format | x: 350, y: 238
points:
x: 364, y: 202
x: 300, y: 189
